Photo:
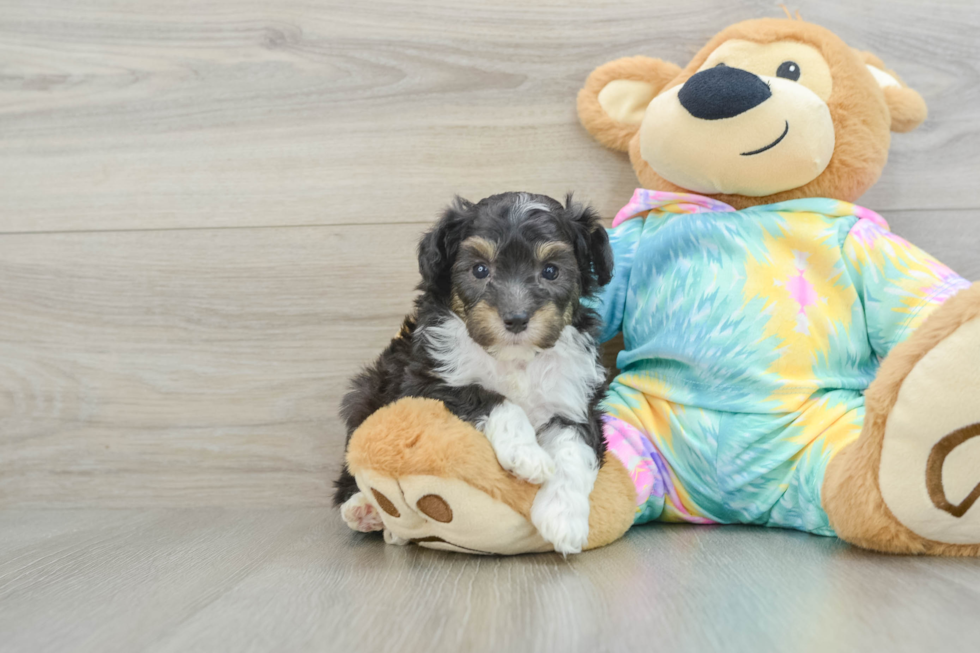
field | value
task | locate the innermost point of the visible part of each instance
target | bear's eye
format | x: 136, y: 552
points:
x: 550, y: 272
x: 481, y: 271
x: 789, y: 70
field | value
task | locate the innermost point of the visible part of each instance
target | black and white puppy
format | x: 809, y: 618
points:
x: 501, y: 336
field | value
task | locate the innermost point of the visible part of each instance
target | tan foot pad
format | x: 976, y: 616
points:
x: 447, y: 514
x: 930, y: 459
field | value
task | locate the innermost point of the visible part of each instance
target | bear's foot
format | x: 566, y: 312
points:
x: 434, y: 480
x: 911, y: 481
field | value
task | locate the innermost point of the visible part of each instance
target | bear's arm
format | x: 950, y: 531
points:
x: 898, y: 284
x: 610, y: 301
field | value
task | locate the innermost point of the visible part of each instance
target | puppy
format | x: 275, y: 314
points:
x: 501, y: 336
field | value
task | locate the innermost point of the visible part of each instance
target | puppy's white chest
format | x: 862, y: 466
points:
x: 511, y: 372
x: 559, y: 381
x: 515, y: 381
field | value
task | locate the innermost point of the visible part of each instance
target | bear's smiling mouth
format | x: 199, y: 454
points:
x: 771, y: 145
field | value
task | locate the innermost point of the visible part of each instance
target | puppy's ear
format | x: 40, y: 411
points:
x: 907, y: 108
x: 615, y: 97
x: 592, y: 249
x: 438, y: 247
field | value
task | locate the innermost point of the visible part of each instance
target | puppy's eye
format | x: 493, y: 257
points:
x: 550, y: 272
x: 788, y: 70
x: 481, y: 271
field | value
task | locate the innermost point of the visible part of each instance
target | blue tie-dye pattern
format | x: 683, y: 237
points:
x: 687, y: 323
x: 744, y: 443
x: 624, y: 242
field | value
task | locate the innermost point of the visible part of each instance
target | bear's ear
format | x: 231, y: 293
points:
x: 615, y: 96
x: 907, y: 107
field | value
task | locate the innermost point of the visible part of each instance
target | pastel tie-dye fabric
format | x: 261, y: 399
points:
x: 750, y: 337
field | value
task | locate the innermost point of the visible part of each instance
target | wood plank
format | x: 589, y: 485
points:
x: 220, y: 580
x: 286, y: 112
x: 188, y: 367
x: 130, y: 576
x: 174, y: 360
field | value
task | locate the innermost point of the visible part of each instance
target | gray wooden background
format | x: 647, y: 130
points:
x: 208, y: 213
x: 208, y: 210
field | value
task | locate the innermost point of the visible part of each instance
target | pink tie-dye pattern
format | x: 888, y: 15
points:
x: 646, y: 466
x: 802, y: 291
x: 866, y: 214
x: 948, y: 285
x: 868, y: 231
x: 624, y: 441
x: 644, y: 200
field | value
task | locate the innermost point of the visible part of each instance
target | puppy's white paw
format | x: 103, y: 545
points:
x: 360, y: 515
x: 562, y: 517
x: 514, y: 441
x: 528, y: 462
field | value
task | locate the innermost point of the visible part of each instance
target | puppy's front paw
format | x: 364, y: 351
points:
x: 528, y: 462
x: 561, y: 517
x: 360, y: 515
x: 514, y: 441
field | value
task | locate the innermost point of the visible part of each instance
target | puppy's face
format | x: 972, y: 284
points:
x: 514, y: 267
x: 515, y: 286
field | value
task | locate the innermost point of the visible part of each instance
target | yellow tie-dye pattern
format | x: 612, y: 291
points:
x: 812, y: 240
x: 646, y: 410
x: 674, y: 513
x: 827, y: 423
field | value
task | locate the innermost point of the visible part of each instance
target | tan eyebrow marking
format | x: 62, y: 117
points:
x: 552, y: 248
x: 485, y: 248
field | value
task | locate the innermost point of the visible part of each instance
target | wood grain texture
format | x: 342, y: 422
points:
x: 173, y: 334
x: 200, y: 366
x: 216, y: 580
x: 291, y: 112
x: 208, y: 210
x: 208, y: 213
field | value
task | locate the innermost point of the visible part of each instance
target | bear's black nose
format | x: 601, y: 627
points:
x: 722, y: 92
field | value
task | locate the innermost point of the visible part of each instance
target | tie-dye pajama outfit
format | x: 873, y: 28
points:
x: 750, y: 337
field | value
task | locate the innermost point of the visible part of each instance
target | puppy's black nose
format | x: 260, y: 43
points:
x: 516, y: 322
x: 722, y: 92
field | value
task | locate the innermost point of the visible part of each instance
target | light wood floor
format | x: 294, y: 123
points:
x: 213, y: 579
x: 208, y: 213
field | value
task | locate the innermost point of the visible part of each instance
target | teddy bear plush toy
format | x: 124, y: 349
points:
x: 787, y: 361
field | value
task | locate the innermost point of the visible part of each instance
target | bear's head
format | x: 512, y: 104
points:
x: 769, y: 110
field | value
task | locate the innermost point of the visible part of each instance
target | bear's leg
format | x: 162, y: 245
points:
x: 644, y: 432
x: 910, y: 482
x: 434, y: 481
